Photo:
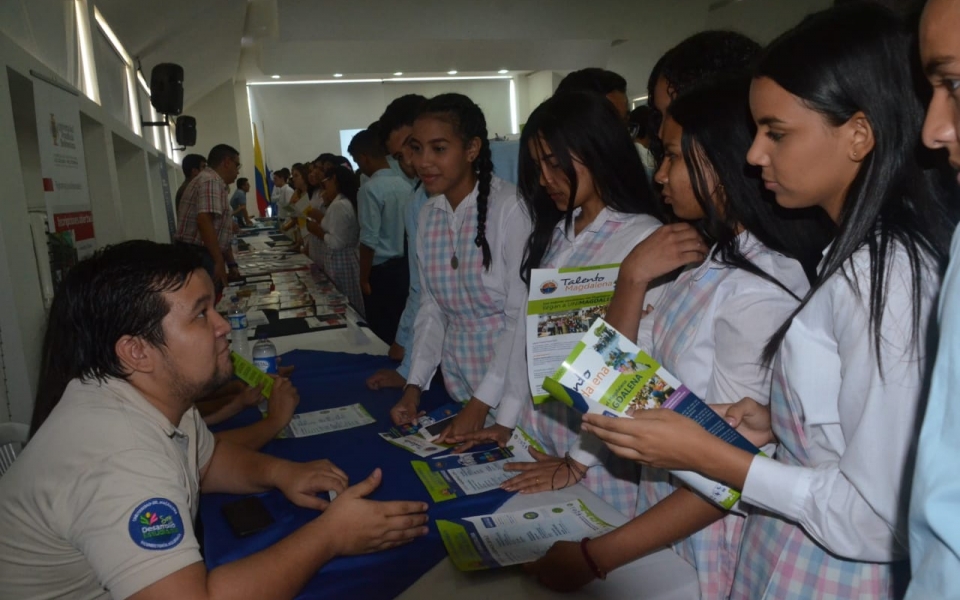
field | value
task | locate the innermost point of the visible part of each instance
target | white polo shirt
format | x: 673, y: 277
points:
x: 101, y: 502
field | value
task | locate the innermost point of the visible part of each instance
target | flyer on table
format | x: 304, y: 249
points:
x: 501, y: 540
x: 470, y: 473
x: 608, y: 374
x: 561, y: 306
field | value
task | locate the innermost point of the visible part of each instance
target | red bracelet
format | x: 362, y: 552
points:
x: 586, y: 556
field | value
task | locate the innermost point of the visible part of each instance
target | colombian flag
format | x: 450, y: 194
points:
x: 262, y: 183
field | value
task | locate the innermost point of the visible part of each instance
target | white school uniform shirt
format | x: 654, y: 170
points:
x: 635, y: 229
x: 340, y: 224
x: 281, y: 197
x: 507, y: 228
x: 859, y: 422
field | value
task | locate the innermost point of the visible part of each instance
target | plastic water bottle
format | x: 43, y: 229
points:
x: 238, y: 329
x: 265, y: 359
x: 265, y: 356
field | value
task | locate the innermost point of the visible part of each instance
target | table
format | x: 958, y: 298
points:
x: 335, y: 379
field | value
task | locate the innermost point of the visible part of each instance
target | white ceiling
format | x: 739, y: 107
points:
x: 250, y: 40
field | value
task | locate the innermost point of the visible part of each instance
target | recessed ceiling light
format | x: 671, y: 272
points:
x: 275, y: 77
x: 398, y: 74
x: 503, y: 71
x: 454, y: 72
x: 338, y: 74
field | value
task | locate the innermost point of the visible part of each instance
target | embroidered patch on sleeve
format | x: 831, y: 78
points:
x: 156, y: 525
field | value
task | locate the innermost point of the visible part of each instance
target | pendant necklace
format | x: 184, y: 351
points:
x: 454, y: 262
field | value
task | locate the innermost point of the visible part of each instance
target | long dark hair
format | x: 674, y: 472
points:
x: 839, y: 62
x: 582, y: 127
x: 347, y: 184
x: 468, y: 121
x: 701, y: 55
x: 304, y: 170
x: 717, y: 133
x: 116, y: 292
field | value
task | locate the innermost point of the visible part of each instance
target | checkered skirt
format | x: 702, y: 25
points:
x: 474, y: 321
x: 778, y: 560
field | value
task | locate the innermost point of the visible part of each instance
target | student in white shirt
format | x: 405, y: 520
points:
x: 282, y: 192
x: 591, y: 202
x: 838, y: 128
x: 709, y: 326
x: 470, y: 243
x: 339, y: 230
x: 302, y: 189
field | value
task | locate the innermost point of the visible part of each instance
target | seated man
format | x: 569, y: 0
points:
x: 102, y: 500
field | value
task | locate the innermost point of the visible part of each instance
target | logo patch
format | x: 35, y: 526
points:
x: 156, y: 525
x: 548, y: 287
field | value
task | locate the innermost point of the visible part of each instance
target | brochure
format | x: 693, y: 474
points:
x: 470, y: 473
x: 500, y: 540
x: 250, y: 374
x: 419, y: 438
x: 609, y: 375
x: 328, y: 420
x: 562, y: 305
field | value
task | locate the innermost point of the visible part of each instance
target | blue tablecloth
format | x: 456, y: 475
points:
x: 330, y: 379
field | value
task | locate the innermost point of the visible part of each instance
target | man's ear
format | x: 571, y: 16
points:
x: 135, y: 354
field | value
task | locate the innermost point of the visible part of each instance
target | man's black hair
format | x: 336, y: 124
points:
x: 191, y: 162
x: 367, y: 143
x: 220, y: 153
x: 400, y: 113
x: 119, y: 291
x: 593, y: 79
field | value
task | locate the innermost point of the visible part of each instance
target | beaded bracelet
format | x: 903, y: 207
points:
x: 586, y: 556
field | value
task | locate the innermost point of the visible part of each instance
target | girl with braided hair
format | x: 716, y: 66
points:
x: 470, y: 245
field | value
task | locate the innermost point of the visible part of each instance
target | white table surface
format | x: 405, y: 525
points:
x: 659, y: 576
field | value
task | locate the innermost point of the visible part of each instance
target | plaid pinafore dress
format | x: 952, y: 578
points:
x: 556, y: 425
x: 342, y: 265
x: 473, y: 321
x: 777, y: 558
x: 713, y: 550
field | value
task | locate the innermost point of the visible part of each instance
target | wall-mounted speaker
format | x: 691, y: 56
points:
x: 186, y: 130
x: 166, y: 88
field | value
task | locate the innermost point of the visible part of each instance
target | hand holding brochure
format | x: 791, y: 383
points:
x: 609, y: 375
x: 500, y: 540
x: 419, y: 438
x: 251, y: 375
x: 457, y: 475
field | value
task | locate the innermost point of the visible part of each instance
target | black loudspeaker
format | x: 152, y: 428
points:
x: 186, y: 130
x: 166, y: 88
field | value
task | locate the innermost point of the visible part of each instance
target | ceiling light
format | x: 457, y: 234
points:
x: 454, y: 72
x: 398, y: 74
x: 274, y: 77
x: 503, y: 71
x: 338, y: 74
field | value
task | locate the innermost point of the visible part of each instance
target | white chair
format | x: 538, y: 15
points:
x: 13, y: 436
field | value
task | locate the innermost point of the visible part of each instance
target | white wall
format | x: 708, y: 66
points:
x: 301, y: 121
x: 125, y: 194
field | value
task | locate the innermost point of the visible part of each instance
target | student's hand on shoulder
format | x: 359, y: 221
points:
x: 750, y: 418
x: 495, y: 433
x: 562, y: 568
x: 301, y: 482
x: 546, y: 473
x: 651, y: 438
x: 361, y: 526
x: 386, y: 378
x: 668, y: 248
x: 283, y: 401
x: 468, y: 420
